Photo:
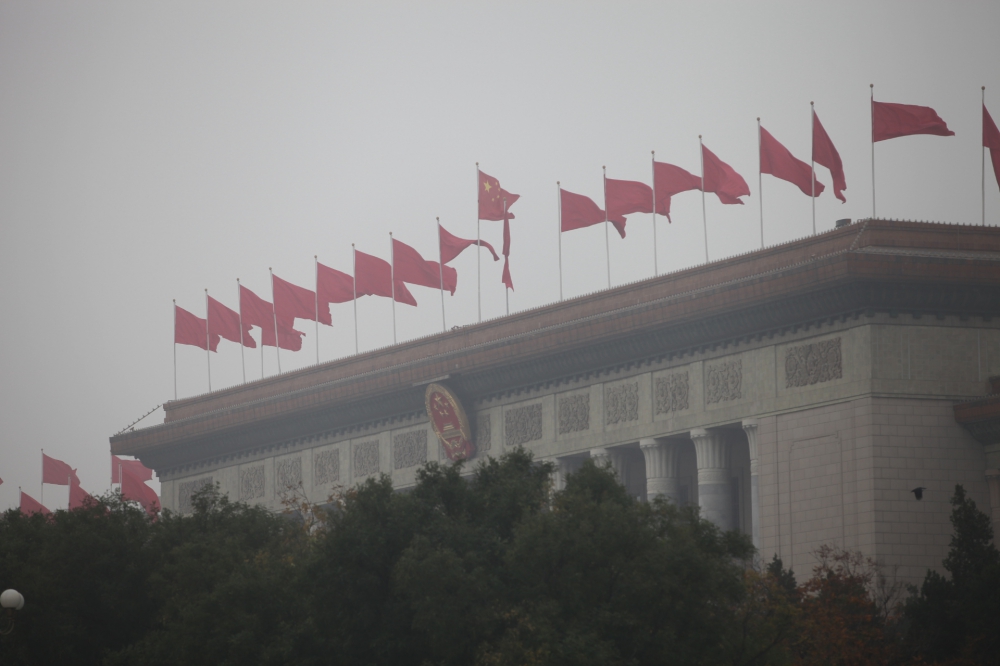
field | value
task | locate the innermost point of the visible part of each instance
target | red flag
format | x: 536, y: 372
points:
x: 78, y: 497
x: 373, y: 277
x: 722, y: 179
x: 671, y: 180
x: 779, y: 162
x: 890, y: 121
x: 332, y: 286
x: 505, y: 277
x: 452, y: 246
x: 825, y: 154
x: 411, y: 267
x: 57, y: 472
x: 578, y: 211
x: 225, y: 323
x: 991, y: 140
x: 139, y: 470
x: 258, y: 312
x: 622, y: 197
x: 29, y: 505
x: 491, y: 197
x: 192, y: 330
x: 292, y: 302
x: 288, y: 338
x: 134, y: 489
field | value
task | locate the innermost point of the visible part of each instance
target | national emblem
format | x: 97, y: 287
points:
x: 449, y: 422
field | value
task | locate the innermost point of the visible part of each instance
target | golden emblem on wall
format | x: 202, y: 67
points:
x: 449, y: 422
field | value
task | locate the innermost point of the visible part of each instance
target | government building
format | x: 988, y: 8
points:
x: 797, y: 393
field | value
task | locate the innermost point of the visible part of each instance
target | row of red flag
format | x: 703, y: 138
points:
x: 131, y: 475
x: 374, y: 276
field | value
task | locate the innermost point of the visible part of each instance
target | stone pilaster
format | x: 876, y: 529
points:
x: 715, y: 489
x: 750, y: 428
x: 662, y: 465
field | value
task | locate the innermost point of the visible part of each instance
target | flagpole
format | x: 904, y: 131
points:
x: 607, y: 243
x: 316, y: 259
x: 506, y: 258
x: 479, y: 255
x: 559, y: 231
x: 208, y: 343
x: 274, y: 316
x: 982, y: 160
x: 243, y: 362
x: 354, y: 259
x: 760, y: 189
x: 656, y: 269
x: 41, y: 485
x: 812, y: 160
x: 872, y: 87
x: 444, y: 326
x: 704, y: 219
x: 392, y: 277
x: 175, y: 349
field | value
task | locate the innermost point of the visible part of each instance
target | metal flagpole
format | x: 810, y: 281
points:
x: 872, y: 87
x: 812, y: 160
x: 274, y: 316
x: 444, y: 326
x: 479, y: 255
x: 316, y: 259
x: 208, y: 344
x: 392, y: 277
x: 506, y: 257
x: 607, y: 243
x: 656, y: 269
x: 243, y: 363
x: 760, y: 187
x: 354, y: 259
x: 704, y: 220
x: 175, y: 349
x: 559, y: 231
x: 983, y: 160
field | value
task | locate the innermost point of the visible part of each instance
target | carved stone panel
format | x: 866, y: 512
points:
x: 409, y: 449
x: 366, y: 458
x: 724, y: 381
x: 484, y: 432
x: 251, y: 482
x: 326, y: 467
x: 186, y: 490
x: 621, y: 403
x: 522, y: 425
x: 288, y: 473
x: 814, y: 363
x: 672, y: 393
x: 574, y: 413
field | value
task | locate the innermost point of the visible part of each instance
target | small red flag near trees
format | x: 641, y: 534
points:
x: 623, y: 197
x: 29, y: 505
x: 332, y: 286
x: 578, y: 211
x: 491, y: 198
x: 293, y: 302
x: 890, y: 121
x: 991, y: 140
x: 411, y: 267
x: 139, y: 470
x: 825, y: 154
x: 373, y: 277
x: 671, y: 180
x: 134, y: 489
x: 57, y: 472
x: 225, y: 323
x: 722, y: 179
x: 192, y: 330
x: 452, y: 246
x: 78, y: 497
x: 779, y: 162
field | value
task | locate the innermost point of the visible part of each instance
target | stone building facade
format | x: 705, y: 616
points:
x: 797, y: 394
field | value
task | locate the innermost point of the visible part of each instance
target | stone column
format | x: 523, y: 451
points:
x: 600, y: 457
x: 662, y: 466
x: 603, y: 456
x: 715, y: 489
x: 750, y: 428
x: 993, y: 480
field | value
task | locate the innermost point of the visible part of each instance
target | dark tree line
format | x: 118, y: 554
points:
x: 488, y: 569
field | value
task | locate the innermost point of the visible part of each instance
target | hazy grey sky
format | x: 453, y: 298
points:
x: 151, y: 150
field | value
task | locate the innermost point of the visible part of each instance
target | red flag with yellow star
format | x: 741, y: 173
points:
x: 491, y: 198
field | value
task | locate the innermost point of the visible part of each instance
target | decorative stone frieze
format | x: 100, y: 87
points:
x: 484, y: 432
x: 409, y: 449
x: 187, y: 489
x: 251, y: 482
x: 621, y: 403
x: 366, y: 460
x: 326, y: 467
x: 522, y: 425
x: 672, y: 393
x: 288, y: 473
x: 813, y: 363
x: 724, y: 381
x: 574, y: 413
